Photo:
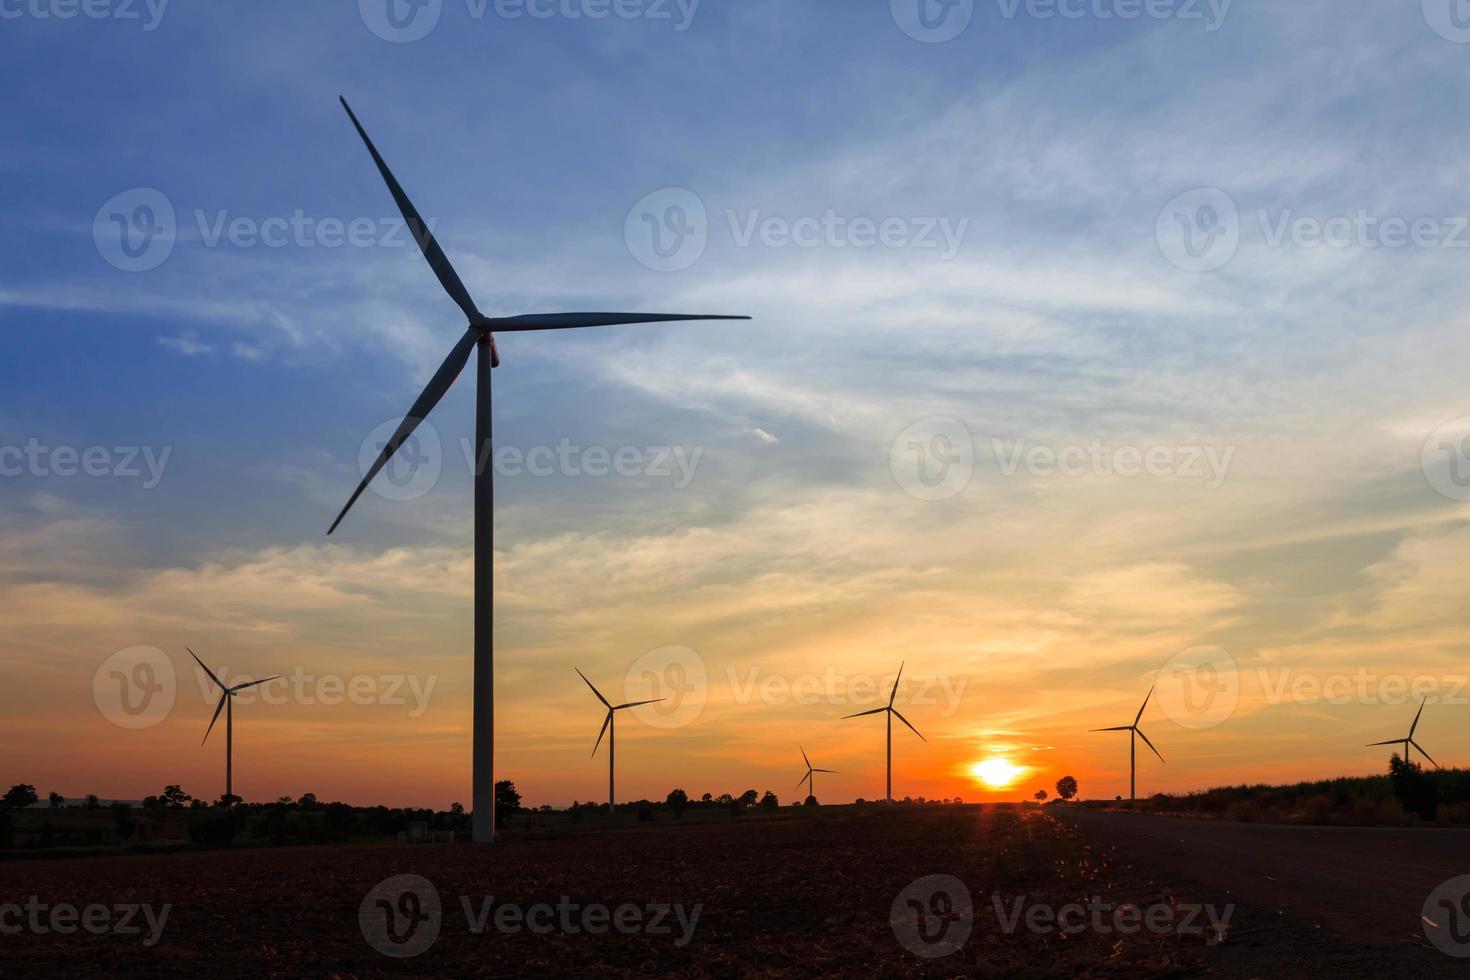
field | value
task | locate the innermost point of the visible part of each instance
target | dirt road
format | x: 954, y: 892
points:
x: 1351, y: 895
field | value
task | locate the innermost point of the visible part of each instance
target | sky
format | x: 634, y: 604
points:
x: 1095, y: 346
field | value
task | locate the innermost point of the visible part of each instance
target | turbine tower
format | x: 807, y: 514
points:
x: 610, y: 730
x: 227, y: 705
x: 811, y: 784
x: 1133, y: 730
x: 479, y: 335
x: 892, y: 713
x: 1409, y: 740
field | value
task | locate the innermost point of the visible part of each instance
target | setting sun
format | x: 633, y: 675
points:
x: 996, y: 773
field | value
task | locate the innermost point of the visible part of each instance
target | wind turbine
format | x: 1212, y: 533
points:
x: 226, y: 704
x: 1133, y: 730
x: 1406, y: 742
x: 892, y: 713
x: 478, y: 336
x: 610, y: 730
x: 811, y: 784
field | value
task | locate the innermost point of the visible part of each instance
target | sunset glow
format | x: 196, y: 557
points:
x: 996, y: 773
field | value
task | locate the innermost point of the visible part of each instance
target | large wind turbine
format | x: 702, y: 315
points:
x: 1409, y: 740
x: 478, y: 336
x: 226, y: 704
x: 610, y: 730
x: 811, y: 783
x: 1133, y: 730
x: 892, y: 713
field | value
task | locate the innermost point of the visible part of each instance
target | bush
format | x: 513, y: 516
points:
x: 1415, y: 791
x: 220, y: 829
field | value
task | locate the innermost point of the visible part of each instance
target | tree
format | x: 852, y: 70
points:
x: 507, y: 801
x: 706, y: 798
x: 457, y: 809
x: 20, y: 796
x: 749, y: 797
x: 1067, y: 787
x: 769, y: 802
x: 174, y: 798
x: 678, y: 801
x: 307, y: 801
x: 1041, y: 796
x: 56, y: 800
x: 227, y: 800
x: 92, y: 802
x: 1415, y: 791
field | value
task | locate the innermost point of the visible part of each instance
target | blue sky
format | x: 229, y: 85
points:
x: 1051, y: 148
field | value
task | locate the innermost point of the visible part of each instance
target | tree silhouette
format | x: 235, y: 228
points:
x: 678, y: 801
x: 56, y: 800
x: 20, y: 796
x: 507, y: 801
x: 1040, y: 796
x: 174, y: 798
x: 1067, y: 787
x: 769, y: 801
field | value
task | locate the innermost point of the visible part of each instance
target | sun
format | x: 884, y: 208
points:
x: 996, y: 773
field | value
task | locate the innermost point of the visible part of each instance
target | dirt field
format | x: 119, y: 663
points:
x: 777, y: 897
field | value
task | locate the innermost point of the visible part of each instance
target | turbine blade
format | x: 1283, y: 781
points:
x: 1426, y: 754
x: 1392, y: 741
x: 1415, y: 727
x: 576, y: 321
x: 906, y: 722
x: 1150, y: 744
x: 800, y: 781
x: 448, y: 278
x: 594, y: 690
x: 264, y: 680
x: 875, y: 711
x: 217, y: 709
x: 1120, y: 728
x: 895, y: 685
x: 636, y: 704
x: 804, y: 758
x: 824, y: 770
x: 605, y: 722
x: 435, y: 390
x: 1139, y: 716
x: 206, y: 669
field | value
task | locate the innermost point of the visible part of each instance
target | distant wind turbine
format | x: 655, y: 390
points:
x: 610, y: 730
x: 892, y: 713
x: 227, y: 705
x: 1133, y: 730
x: 478, y: 336
x: 811, y: 783
x: 1409, y: 740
